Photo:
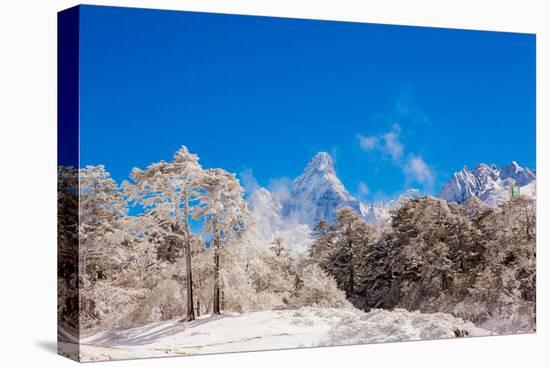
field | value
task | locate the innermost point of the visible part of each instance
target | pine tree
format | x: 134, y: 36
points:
x: 505, y: 289
x: 101, y: 204
x: 341, y: 261
x: 277, y: 246
x: 322, y: 247
x: 168, y: 190
x: 224, y: 210
x: 67, y: 253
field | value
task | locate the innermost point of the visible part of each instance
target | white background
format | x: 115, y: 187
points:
x: 28, y: 181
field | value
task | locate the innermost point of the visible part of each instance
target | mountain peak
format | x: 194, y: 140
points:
x: 489, y: 183
x: 512, y: 168
x: 521, y: 175
x: 321, y: 162
x: 319, y: 174
x: 318, y: 192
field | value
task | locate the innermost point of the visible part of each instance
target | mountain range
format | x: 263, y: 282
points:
x: 317, y: 193
x: 491, y: 184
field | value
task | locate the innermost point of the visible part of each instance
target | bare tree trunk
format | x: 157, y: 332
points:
x: 222, y: 298
x: 351, y: 262
x: 216, y: 295
x: 189, y: 273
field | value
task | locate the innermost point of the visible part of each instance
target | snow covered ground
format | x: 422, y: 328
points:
x: 306, y: 327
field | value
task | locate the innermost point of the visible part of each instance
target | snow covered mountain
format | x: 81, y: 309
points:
x: 491, y: 184
x: 314, y: 195
x: 379, y: 213
x: 317, y: 193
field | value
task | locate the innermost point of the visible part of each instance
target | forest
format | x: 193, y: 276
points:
x: 177, y: 241
x: 470, y: 261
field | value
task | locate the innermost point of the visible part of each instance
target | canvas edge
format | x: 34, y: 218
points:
x: 68, y: 60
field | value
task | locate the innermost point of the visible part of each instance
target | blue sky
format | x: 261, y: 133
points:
x: 395, y: 106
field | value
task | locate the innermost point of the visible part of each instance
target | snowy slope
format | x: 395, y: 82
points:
x: 307, y: 327
x: 489, y: 183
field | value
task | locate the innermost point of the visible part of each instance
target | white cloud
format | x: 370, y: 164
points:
x: 362, y: 190
x: 387, y: 143
x: 334, y: 154
x: 392, y: 145
x: 416, y: 170
x: 367, y: 143
x: 281, y: 188
x: 248, y: 181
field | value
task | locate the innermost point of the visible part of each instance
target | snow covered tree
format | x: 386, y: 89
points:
x: 341, y: 250
x: 277, y: 246
x: 363, y: 237
x: 253, y: 278
x: 159, y: 272
x: 67, y: 221
x: 67, y: 251
x: 101, y: 204
x: 203, y: 275
x: 168, y: 191
x: 319, y: 290
x: 435, y: 249
x: 504, y: 293
x: 475, y: 209
x: 101, y: 208
x: 342, y: 258
x: 224, y: 212
x: 346, y: 260
x: 321, y: 249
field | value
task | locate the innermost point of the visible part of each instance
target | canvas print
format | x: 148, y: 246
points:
x: 237, y: 183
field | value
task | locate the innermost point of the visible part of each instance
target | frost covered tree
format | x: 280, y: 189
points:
x: 344, y: 250
x: 224, y: 211
x: 341, y: 265
x: 101, y: 205
x: 283, y: 267
x: 101, y: 208
x: 277, y: 246
x: 319, y: 289
x: 67, y: 253
x: 363, y: 236
x: 341, y: 251
x: 472, y: 261
x: 475, y: 209
x: 503, y: 296
x: 168, y: 191
x: 321, y: 249
x: 434, y: 250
